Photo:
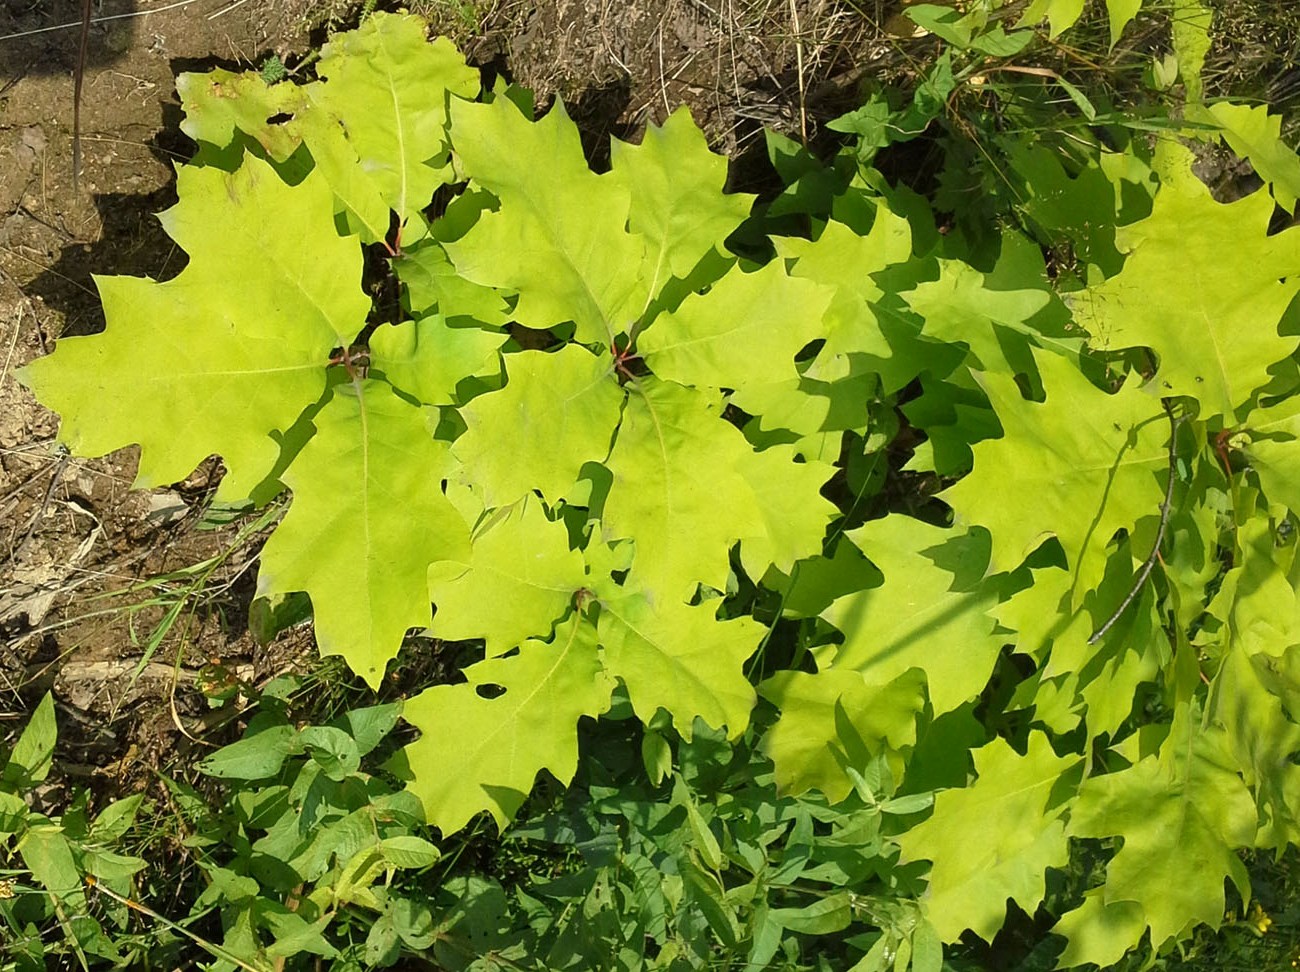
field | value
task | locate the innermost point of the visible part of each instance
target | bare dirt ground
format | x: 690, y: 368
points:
x: 110, y: 596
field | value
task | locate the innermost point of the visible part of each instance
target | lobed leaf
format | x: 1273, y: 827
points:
x: 678, y: 657
x: 924, y: 615
x: 195, y: 366
x: 745, y: 330
x: 368, y: 518
x: 673, y: 458
x: 1077, y: 467
x: 564, y: 227
x: 677, y: 202
x: 992, y: 840
x: 1203, y: 286
x: 386, y: 88
x: 1254, y: 134
x: 830, y: 718
x: 220, y: 103
x: 960, y: 307
x: 485, y: 752
x: 1182, y: 815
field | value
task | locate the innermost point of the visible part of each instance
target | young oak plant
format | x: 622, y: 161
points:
x: 512, y: 485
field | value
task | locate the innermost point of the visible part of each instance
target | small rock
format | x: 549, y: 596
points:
x: 165, y: 508
x: 33, y: 138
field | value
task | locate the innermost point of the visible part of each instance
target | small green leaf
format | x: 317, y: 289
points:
x: 116, y: 819
x: 824, y: 917
x: 873, y: 123
x: 703, y: 838
x: 369, y: 726
x: 110, y: 867
x: 1190, y: 31
x: 13, y: 814
x: 293, y: 934
x: 1121, y: 13
x: 1063, y: 14
x: 333, y: 749
x: 255, y: 757
x: 1164, y: 71
x: 414, y: 922
x: 1078, y: 97
x: 33, y: 755
x: 46, y: 852
x: 383, y: 941
x: 656, y: 756
x: 944, y: 22
x: 354, y: 881
x: 408, y: 851
x: 226, y: 886
x: 706, y: 893
x: 904, y: 805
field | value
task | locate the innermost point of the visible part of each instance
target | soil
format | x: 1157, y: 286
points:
x: 100, y: 592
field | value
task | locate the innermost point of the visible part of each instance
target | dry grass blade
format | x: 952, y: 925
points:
x: 79, y: 74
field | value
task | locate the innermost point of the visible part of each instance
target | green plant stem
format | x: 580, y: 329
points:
x: 1150, y: 562
x: 216, y: 950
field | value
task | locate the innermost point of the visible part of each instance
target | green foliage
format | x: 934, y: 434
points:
x: 992, y: 498
x: 712, y: 869
x: 303, y: 858
x: 368, y: 447
x: 245, y: 361
x: 1062, y: 14
x: 306, y: 853
x: 488, y: 750
x: 303, y: 855
x: 48, y: 861
x: 978, y: 28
